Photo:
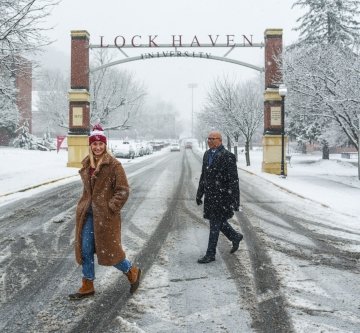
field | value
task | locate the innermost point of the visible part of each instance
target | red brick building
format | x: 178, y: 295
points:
x: 23, y: 82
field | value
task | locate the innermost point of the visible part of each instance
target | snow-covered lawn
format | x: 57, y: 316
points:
x: 23, y: 172
x: 333, y: 183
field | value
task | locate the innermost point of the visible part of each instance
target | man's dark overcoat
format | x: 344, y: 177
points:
x: 219, y: 183
x: 106, y: 191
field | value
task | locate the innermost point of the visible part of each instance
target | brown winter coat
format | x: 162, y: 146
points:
x: 107, y: 192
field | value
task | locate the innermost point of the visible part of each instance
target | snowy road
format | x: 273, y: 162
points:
x: 314, y: 253
x: 297, y: 270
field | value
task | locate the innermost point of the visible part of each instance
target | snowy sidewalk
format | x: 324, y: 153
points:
x: 23, y: 169
x: 333, y: 183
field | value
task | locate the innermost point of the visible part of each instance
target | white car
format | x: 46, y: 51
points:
x: 124, y: 150
x: 174, y: 147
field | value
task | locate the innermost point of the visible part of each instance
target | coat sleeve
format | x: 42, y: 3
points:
x: 120, y: 188
x: 234, y: 183
x: 200, y: 191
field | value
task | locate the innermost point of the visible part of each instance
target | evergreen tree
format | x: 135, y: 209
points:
x: 323, y: 92
x: 24, y: 139
x: 9, y: 113
x: 321, y: 71
x: 331, y: 21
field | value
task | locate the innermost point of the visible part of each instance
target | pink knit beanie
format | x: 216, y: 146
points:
x: 97, y: 134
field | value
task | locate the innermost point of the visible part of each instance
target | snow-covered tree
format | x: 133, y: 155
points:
x: 222, y: 103
x: 47, y: 141
x: 324, y: 88
x: 235, y: 109
x: 9, y: 113
x: 322, y: 72
x: 329, y: 21
x: 53, y: 104
x: 116, y: 96
x: 22, y: 31
x: 22, y: 28
x: 251, y: 112
x: 24, y: 139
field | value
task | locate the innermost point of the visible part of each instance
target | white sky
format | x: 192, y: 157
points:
x: 168, y: 79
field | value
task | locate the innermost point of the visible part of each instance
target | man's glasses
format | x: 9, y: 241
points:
x: 212, y: 139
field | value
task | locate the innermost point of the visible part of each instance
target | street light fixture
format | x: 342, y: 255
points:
x: 192, y: 86
x: 282, y: 93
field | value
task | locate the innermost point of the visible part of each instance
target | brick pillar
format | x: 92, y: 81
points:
x: 23, y: 81
x: 272, y: 103
x: 79, y: 99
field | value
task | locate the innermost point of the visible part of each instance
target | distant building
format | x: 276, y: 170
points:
x: 24, y: 92
x: 23, y: 82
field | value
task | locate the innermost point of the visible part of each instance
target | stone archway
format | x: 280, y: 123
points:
x: 79, y: 97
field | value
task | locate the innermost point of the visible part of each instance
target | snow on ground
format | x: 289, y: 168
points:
x: 22, y: 171
x: 333, y: 183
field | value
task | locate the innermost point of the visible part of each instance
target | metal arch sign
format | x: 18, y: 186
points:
x: 137, y: 41
x: 79, y: 96
x: 175, y: 54
x: 121, y: 42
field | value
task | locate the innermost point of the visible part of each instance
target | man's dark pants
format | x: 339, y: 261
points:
x: 217, y: 225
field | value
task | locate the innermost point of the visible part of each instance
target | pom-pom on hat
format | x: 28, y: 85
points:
x: 97, y: 134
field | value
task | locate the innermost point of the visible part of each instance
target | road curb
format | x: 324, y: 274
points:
x: 36, y: 186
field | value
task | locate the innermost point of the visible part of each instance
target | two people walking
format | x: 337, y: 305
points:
x: 106, y: 190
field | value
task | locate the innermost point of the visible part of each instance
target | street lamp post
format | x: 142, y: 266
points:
x: 282, y: 93
x: 192, y: 86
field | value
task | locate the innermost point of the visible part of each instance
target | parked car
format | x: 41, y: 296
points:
x: 124, y: 150
x: 174, y: 147
x: 141, y: 148
x: 148, y: 148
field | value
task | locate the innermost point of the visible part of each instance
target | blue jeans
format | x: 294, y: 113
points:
x: 217, y: 225
x: 88, y: 250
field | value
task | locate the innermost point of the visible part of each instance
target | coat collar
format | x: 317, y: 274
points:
x: 86, y: 161
x: 219, y: 151
x: 84, y: 171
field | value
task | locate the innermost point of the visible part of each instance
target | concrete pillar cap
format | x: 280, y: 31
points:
x: 273, y: 32
x: 80, y: 33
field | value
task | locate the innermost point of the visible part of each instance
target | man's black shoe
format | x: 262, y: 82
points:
x: 205, y: 260
x: 236, y: 244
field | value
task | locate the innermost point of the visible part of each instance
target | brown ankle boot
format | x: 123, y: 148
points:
x: 133, y: 276
x: 87, y: 289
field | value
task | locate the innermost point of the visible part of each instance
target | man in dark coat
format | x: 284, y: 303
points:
x: 219, y: 183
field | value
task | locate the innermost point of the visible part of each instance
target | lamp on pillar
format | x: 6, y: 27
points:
x: 282, y: 93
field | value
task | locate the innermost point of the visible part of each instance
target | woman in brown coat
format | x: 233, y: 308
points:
x: 98, y: 222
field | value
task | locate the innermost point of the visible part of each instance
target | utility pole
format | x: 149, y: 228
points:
x: 192, y: 86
